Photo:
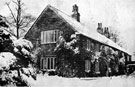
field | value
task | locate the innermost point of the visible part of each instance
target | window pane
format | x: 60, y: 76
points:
x: 89, y: 44
x: 42, y: 64
x: 87, y: 66
x: 51, y: 36
x: 48, y: 35
x: 50, y: 32
x: 56, y: 35
x: 42, y: 37
x: 52, y: 63
x: 48, y: 67
x: 92, y: 46
x: 46, y: 63
x: 45, y: 37
x: 59, y: 34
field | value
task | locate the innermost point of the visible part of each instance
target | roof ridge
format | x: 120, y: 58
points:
x: 55, y: 9
x: 58, y: 10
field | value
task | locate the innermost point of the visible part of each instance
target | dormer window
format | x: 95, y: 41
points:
x: 50, y: 36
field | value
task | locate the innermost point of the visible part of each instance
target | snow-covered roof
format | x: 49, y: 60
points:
x: 85, y: 31
x: 80, y: 28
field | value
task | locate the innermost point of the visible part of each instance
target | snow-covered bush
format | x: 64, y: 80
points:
x: 15, y: 55
x: 6, y: 59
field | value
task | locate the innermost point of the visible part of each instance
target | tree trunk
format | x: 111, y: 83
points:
x: 17, y: 32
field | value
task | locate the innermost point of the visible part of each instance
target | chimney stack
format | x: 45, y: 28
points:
x: 106, y: 32
x: 100, y: 29
x: 99, y: 25
x: 104, y: 29
x: 76, y: 14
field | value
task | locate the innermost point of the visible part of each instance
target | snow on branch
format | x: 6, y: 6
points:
x: 23, y: 43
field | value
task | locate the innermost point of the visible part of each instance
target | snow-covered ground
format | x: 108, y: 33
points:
x: 55, y: 81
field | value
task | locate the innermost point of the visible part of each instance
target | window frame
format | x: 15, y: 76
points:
x: 88, y: 44
x: 50, y: 63
x: 53, y: 36
x: 87, y: 66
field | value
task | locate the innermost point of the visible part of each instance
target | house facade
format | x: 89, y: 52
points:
x: 53, y: 23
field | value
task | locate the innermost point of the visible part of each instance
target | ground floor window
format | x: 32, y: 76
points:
x: 87, y: 66
x: 48, y: 63
x: 42, y: 64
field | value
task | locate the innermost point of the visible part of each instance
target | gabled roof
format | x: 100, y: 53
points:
x: 81, y: 29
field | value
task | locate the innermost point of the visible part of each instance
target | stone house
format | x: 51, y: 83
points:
x: 53, y: 23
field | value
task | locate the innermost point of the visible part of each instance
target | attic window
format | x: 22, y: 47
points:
x: 50, y: 36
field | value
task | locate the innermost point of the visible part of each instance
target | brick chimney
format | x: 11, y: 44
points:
x: 76, y: 14
x: 106, y: 32
x: 100, y: 29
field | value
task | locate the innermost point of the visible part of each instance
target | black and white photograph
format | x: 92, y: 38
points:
x: 67, y: 43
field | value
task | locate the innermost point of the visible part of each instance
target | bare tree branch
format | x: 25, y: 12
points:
x: 11, y: 12
x: 20, y: 22
x: 15, y: 2
x: 9, y: 32
x: 25, y: 25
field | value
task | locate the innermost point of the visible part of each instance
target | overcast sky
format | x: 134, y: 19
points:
x: 116, y: 14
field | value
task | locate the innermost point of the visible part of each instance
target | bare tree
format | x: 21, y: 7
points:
x: 19, y: 20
